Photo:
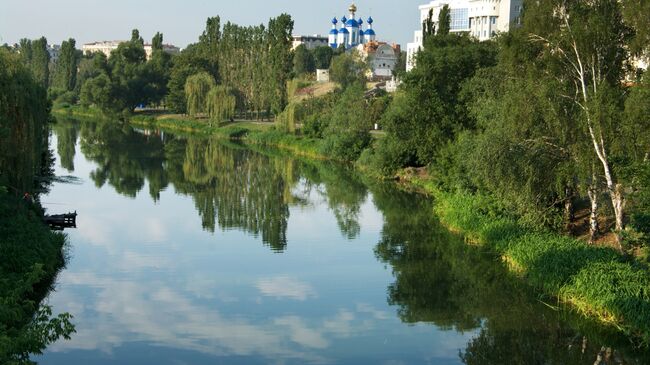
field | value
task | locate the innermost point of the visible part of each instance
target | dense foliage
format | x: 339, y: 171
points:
x: 31, y: 254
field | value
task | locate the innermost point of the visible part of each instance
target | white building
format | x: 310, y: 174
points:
x: 382, y: 58
x: 106, y: 47
x: 310, y: 42
x: 482, y: 19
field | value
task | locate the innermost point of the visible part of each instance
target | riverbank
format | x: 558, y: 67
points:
x: 32, y: 256
x: 598, y: 282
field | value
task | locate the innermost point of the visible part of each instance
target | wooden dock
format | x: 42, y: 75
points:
x: 60, y: 222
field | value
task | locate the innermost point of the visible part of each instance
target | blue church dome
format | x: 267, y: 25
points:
x: 334, y: 21
x: 369, y: 32
x: 344, y: 31
x: 361, y: 33
x: 370, y: 20
x: 344, y: 19
x: 360, y: 21
x: 334, y: 31
x: 352, y: 23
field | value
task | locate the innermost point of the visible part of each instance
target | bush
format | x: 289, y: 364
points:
x: 69, y: 97
x: 346, y: 146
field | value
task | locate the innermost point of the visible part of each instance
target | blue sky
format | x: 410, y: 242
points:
x: 181, y: 21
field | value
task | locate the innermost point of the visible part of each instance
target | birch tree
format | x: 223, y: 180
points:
x: 585, y: 45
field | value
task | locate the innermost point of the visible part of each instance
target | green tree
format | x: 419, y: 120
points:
x: 431, y: 111
x: 65, y: 77
x: 279, y: 40
x: 348, y: 69
x: 428, y: 26
x: 586, y: 43
x: 323, y: 57
x: 158, y: 71
x: 189, y: 62
x: 221, y: 104
x: 40, y: 61
x: 303, y: 61
x: 197, y: 88
x: 444, y: 20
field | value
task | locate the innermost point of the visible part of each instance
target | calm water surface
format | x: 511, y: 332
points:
x: 196, y: 251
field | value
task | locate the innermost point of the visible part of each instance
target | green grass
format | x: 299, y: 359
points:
x: 597, y: 281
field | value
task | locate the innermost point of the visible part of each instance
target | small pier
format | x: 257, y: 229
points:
x: 60, y: 222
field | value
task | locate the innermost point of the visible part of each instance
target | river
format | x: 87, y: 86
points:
x: 194, y: 250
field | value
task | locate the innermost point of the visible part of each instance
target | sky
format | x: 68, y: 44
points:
x: 181, y: 21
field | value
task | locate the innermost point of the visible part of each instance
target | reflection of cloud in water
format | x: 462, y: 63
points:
x: 285, y: 287
x: 124, y: 312
x: 94, y: 231
x: 121, y: 312
x: 301, y: 334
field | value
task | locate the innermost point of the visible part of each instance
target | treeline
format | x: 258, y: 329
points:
x: 31, y: 254
x: 551, y: 119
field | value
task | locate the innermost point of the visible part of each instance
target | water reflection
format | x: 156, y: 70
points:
x: 147, y: 285
x: 441, y: 280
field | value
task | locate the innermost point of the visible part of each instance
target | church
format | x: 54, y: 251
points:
x: 351, y: 33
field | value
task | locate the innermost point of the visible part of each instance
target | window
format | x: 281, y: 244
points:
x: 459, y: 19
x: 494, y: 20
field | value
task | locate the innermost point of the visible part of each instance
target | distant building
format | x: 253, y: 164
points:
x: 310, y: 42
x: 54, y: 50
x: 381, y: 57
x: 323, y: 75
x: 482, y: 19
x: 351, y: 33
x: 393, y: 84
x: 106, y: 47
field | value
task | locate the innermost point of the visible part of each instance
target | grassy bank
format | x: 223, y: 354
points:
x: 596, y: 281
x: 31, y: 258
x: 252, y: 132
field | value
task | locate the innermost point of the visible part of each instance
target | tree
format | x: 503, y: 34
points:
x: 157, y: 42
x: 279, y: 40
x: 431, y: 111
x: 303, y: 61
x: 128, y: 74
x: 220, y: 104
x: 347, y: 69
x: 189, y: 62
x: 38, y: 59
x: 587, y: 44
x: 444, y: 20
x: 158, y: 71
x: 197, y: 88
x: 65, y: 77
x: 428, y: 27
x: 323, y: 57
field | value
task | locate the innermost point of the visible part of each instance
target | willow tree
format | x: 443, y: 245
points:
x: 197, y: 88
x: 220, y: 103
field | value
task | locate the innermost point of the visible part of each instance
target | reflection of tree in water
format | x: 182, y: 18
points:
x: 124, y: 157
x: 238, y: 188
x: 232, y: 187
x: 343, y: 191
x: 66, y: 133
x: 441, y: 280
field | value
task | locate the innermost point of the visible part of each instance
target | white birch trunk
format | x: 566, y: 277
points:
x: 593, y: 214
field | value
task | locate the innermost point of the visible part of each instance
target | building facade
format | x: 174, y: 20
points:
x: 351, y: 34
x: 382, y: 58
x: 106, y: 47
x: 482, y: 19
x: 310, y: 42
